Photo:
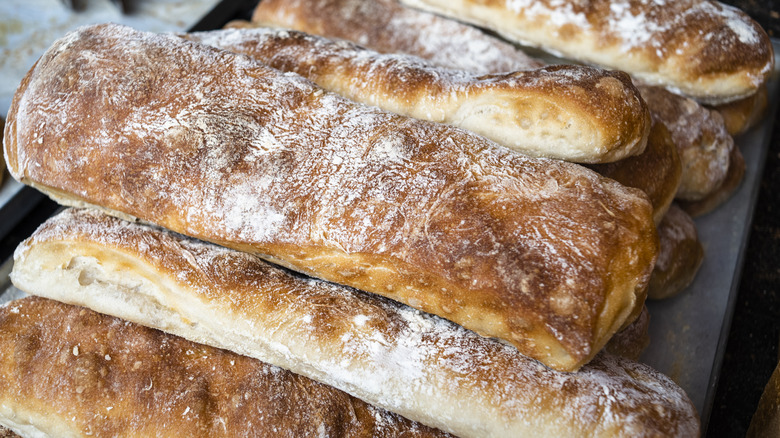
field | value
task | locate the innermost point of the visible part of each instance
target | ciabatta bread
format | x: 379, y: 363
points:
x: 388, y: 27
x: 410, y: 86
x: 700, y: 134
x: 657, y: 171
x: 680, y: 255
x: 544, y: 254
x: 699, y: 48
x: 568, y: 112
x: 71, y: 372
x: 703, y: 142
x: 632, y: 341
x: 723, y: 192
x: 415, y: 364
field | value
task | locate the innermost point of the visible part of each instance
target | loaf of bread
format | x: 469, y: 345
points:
x: 723, y: 192
x: 72, y: 372
x: 657, y: 171
x: 699, y: 48
x: 703, y: 142
x: 2, y: 170
x: 632, y: 340
x: 544, y: 254
x: 388, y: 27
x: 700, y: 134
x: 388, y: 354
x: 569, y: 112
x: 741, y: 115
x: 680, y: 255
x: 410, y: 86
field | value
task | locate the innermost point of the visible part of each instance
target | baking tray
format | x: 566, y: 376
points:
x: 688, y: 332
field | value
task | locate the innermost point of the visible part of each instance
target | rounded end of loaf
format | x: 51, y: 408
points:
x: 741, y: 115
x: 700, y: 48
x: 700, y: 135
x: 657, y: 171
x: 572, y: 113
x: 10, y: 146
x: 679, y: 257
x: 731, y: 182
x: 718, y: 52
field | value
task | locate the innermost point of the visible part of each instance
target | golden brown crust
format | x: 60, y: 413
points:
x: 388, y: 27
x: 632, y: 340
x: 544, y: 254
x: 741, y: 115
x: 766, y: 420
x: 703, y: 143
x: 69, y: 371
x: 7, y: 433
x: 412, y: 363
x: 573, y: 113
x: 2, y: 171
x: 700, y: 48
x: 680, y: 255
x: 722, y: 193
x: 657, y: 171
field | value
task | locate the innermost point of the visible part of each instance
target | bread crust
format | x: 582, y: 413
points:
x: 680, y: 256
x: 657, y: 171
x: 699, y: 48
x: 73, y: 372
x: 723, y: 192
x: 699, y: 133
x: 547, y: 255
x: 741, y: 115
x: 703, y: 142
x: 574, y: 113
x: 388, y: 27
x: 412, y: 363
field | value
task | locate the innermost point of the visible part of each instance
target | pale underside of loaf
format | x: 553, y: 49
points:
x: 703, y: 49
x: 546, y: 255
x: 71, y: 372
x: 574, y: 113
x: 417, y: 365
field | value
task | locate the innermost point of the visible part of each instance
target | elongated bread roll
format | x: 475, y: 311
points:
x: 388, y: 27
x: 574, y: 113
x: 723, y: 192
x: 72, y: 372
x: 631, y: 341
x: 657, y: 171
x: 700, y: 48
x: 415, y: 364
x: 544, y: 254
x: 741, y: 115
x: 680, y: 255
x: 700, y: 134
x: 702, y: 140
x: 427, y: 92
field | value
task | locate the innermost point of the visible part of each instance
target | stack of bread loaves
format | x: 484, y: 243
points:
x: 711, y: 165
x: 441, y: 261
